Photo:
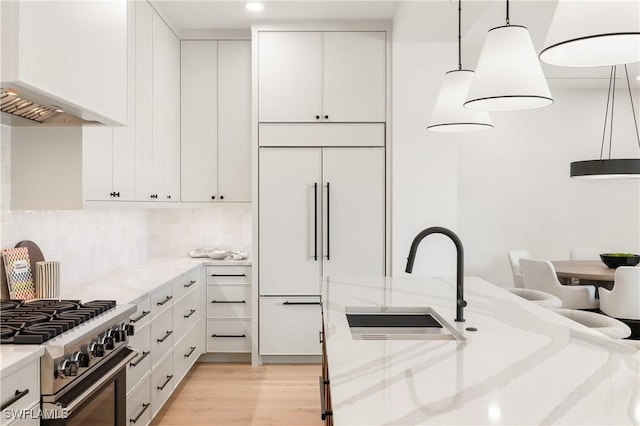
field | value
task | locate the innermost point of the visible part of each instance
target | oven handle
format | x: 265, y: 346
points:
x: 69, y: 408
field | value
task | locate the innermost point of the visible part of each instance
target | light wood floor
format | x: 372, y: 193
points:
x: 238, y: 394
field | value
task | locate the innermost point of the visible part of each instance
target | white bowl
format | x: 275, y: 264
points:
x: 218, y: 254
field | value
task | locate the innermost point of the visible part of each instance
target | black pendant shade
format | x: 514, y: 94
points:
x: 610, y: 168
x: 602, y: 169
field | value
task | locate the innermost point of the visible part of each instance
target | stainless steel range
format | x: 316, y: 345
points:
x: 82, y: 373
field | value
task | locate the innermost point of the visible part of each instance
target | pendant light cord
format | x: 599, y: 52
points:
x: 459, y: 35
x: 508, y: 12
x: 633, y: 111
x: 613, y: 104
x: 606, y: 113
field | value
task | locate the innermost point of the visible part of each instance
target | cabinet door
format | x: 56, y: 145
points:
x: 353, y: 73
x: 290, y: 326
x: 173, y: 118
x: 199, y: 117
x: 289, y: 76
x: 144, y: 120
x: 290, y: 224
x: 354, y: 212
x: 159, y: 108
x: 234, y: 121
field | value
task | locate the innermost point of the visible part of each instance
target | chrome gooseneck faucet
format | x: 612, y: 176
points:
x: 460, y: 302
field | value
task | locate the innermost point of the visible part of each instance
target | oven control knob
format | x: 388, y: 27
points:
x: 80, y: 359
x: 106, y: 341
x: 64, y: 368
x: 118, y: 334
x: 96, y: 349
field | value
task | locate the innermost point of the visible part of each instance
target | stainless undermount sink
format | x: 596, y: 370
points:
x: 399, y: 323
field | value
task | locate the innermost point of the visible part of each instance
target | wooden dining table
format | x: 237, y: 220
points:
x: 593, y: 270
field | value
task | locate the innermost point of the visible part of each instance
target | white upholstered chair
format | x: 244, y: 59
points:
x: 541, y: 275
x: 538, y: 297
x: 514, y: 259
x: 587, y: 253
x: 601, y: 323
x: 623, y: 301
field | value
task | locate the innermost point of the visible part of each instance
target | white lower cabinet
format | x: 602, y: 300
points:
x: 161, y: 384
x: 139, y: 404
x: 23, y: 388
x: 290, y: 325
x: 168, y: 336
x: 186, y: 353
x: 140, y: 366
x: 229, y: 309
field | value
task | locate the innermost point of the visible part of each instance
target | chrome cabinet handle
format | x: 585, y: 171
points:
x: 142, y: 315
x: 165, y: 383
x: 144, y: 408
x: 190, y: 313
x: 169, y: 333
x: 192, y: 282
x: 139, y: 360
x: 18, y: 394
x: 165, y: 300
x: 193, y: 348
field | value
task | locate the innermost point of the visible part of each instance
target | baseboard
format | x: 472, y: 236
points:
x: 291, y: 359
x: 225, y: 357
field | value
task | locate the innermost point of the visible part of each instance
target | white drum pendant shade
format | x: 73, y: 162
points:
x: 449, y: 115
x: 593, y: 34
x: 508, y: 76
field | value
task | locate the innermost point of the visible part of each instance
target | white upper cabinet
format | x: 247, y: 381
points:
x: 199, y: 120
x: 216, y: 121
x: 73, y: 53
x: 321, y: 76
x: 173, y: 117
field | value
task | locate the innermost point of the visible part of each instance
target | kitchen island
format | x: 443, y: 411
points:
x: 523, y: 365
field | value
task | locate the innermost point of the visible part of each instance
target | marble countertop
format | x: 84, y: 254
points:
x: 129, y: 284
x: 524, y: 365
x: 125, y: 285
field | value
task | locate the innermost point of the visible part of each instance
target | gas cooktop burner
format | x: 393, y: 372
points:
x: 37, y: 321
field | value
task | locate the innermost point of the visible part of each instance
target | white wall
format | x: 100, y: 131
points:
x: 424, y: 164
x: 515, y: 191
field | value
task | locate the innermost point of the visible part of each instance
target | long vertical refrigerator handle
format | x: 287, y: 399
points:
x: 315, y: 221
x: 328, y: 223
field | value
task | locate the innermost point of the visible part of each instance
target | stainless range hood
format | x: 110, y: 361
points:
x: 18, y: 110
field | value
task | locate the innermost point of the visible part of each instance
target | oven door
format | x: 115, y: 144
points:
x: 98, y: 400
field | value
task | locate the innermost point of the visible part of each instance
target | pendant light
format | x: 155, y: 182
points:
x: 610, y: 168
x: 449, y: 115
x: 593, y: 34
x: 508, y: 76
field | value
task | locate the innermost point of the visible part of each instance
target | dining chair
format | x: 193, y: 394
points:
x: 541, y: 275
x: 601, y: 323
x: 623, y: 301
x: 514, y: 259
x: 586, y: 253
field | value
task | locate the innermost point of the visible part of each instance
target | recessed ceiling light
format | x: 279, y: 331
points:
x: 254, y: 6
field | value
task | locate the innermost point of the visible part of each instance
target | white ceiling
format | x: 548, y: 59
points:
x: 414, y: 21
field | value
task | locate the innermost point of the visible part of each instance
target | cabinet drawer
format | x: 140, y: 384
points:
x: 290, y: 326
x: 186, y: 313
x: 142, y: 315
x: 229, y: 301
x: 30, y: 417
x: 186, y: 283
x: 161, y: 336
x: 141, y: 364
x: 229, y: 274
x: 23, y: 387
x: 161, y: 300
x: 229, y: 335
x: 139, y: 404
x: 161, y: 384
x: 186, y: 353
